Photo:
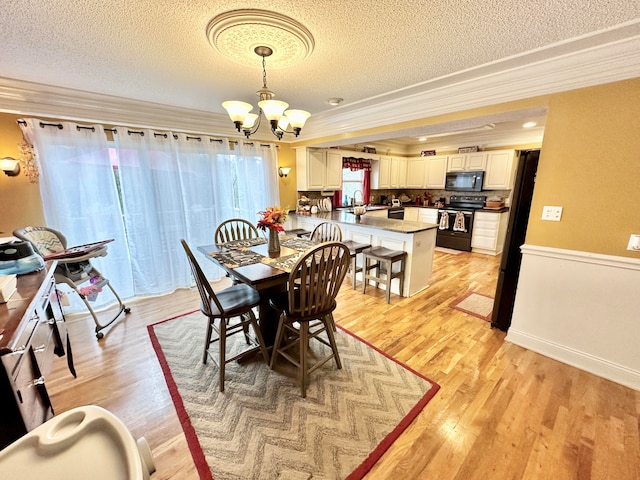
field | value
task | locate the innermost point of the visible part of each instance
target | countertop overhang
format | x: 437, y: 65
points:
x: 389, y: 224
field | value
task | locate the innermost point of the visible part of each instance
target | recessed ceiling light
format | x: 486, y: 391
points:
x: 335, y: 101
x: 422, y: 139
x: 529, y: 125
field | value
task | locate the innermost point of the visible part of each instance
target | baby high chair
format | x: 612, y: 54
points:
x: 74, y: 266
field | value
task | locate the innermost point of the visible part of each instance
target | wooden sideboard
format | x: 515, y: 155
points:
x: 32, y: 334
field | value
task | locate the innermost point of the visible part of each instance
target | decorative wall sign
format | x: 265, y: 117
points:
x: 468, y: 149
x: 427, y: 153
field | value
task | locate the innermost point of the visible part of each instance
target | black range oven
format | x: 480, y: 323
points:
x: 455, y: 221
x: 396, y: 212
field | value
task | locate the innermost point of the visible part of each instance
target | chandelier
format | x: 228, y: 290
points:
x: 280, y: 119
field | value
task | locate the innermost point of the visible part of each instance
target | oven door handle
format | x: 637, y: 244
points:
x: 465, y: 212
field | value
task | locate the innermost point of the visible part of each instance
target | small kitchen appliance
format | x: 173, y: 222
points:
x: 18, y: 257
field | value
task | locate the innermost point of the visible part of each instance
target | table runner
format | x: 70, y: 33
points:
x: 245, y: 243
x: 239, y: 255
x: 299, y: 244
x: 283, y: 263
x: 236, y: 258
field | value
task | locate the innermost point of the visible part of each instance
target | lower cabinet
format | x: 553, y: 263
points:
x: 489, y: 232
x: 421, y: 214
x: 382, y: 213
x: 428, y: 215
x: 411, y: 213
x: 35, y: 333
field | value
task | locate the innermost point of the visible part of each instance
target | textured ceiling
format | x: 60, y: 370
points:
x: 158, y: 51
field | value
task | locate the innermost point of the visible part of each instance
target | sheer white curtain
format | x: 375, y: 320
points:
x: 79, y: 194
x: 257, y: 170
x: 148, y: 190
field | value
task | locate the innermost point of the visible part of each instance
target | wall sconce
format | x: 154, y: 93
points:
x: 10, y: 166
x: 283, y: 171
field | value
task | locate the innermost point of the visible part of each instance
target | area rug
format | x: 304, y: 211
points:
x: 261, y: 427
x: 475, y: 304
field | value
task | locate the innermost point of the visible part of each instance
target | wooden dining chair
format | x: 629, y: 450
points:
x: 235, y: 229
x: 306, y: 309
x: 326, y: 232
x: 221, y: 309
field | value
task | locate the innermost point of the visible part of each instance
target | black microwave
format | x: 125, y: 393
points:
x: 464, y: 181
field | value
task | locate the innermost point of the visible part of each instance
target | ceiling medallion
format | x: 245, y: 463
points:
x: 237, y: 33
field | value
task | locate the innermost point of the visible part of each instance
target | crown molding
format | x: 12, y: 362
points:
x: 525, y: 76
x: 37, y: 99
x: 607, y: 56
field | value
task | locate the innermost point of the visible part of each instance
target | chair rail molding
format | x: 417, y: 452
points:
x: 581, y: 309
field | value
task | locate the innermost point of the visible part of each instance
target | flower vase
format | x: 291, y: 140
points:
x: 274, y: 241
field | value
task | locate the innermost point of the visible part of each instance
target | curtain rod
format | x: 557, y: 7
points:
x: 132, y: 132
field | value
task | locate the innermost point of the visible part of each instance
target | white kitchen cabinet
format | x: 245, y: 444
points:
x: 421, y: 214
x: 467, y: 162
x: 411, y: 213
x: 318, y: 169
x: 500, y: 169
x: 382, y: 213
x: 381, y: 173
x: 435, y: 171
x: 334, y: 170
x: 489, y: 232
x: 428, y: 215
x: 398, y: 172
x: 389, y: 172
x: 416, y: 168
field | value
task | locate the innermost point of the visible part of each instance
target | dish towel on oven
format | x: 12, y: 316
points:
x: 444, y: 221
x: 458, y: 224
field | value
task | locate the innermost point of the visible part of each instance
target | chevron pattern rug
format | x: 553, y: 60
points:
x: 261, y: 427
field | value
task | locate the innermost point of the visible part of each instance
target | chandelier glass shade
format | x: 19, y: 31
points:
x: 275, y: 111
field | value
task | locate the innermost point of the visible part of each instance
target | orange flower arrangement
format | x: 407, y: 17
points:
x: 273, y: 218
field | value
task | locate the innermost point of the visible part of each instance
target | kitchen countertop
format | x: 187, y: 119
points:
x: 383, y: 207
x: 390, y: 224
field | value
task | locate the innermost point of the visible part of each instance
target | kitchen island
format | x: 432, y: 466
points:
x: 416, y: 238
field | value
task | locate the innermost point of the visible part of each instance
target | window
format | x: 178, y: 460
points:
x: 352, y: 185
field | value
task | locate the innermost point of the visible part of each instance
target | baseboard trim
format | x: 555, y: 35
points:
x: 584, y: 361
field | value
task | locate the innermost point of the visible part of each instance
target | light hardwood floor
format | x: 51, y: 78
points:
x: 503, y: 412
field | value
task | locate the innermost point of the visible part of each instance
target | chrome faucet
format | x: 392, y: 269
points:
x: 361, y: 196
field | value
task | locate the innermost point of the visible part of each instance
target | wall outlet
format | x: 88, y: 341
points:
x: 552, y: 213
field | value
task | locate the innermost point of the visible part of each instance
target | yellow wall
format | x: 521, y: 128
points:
x: 19, y: 199
x: 590, y: 165
x: 288, y: 190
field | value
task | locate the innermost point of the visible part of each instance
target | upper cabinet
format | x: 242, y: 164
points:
x: 334, y: 170
x: 467, y: 161
x: 318, y: 169
x: 389, y: 172
x: 435, y: 171
x: 416, y: 167
x: 500, y: 169
x: 426, y: 172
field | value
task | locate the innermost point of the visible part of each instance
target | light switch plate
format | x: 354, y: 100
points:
x: 634, y: 243
x: 552, y: 213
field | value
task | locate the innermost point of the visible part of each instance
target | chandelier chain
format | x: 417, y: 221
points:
x: 264, y: 71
